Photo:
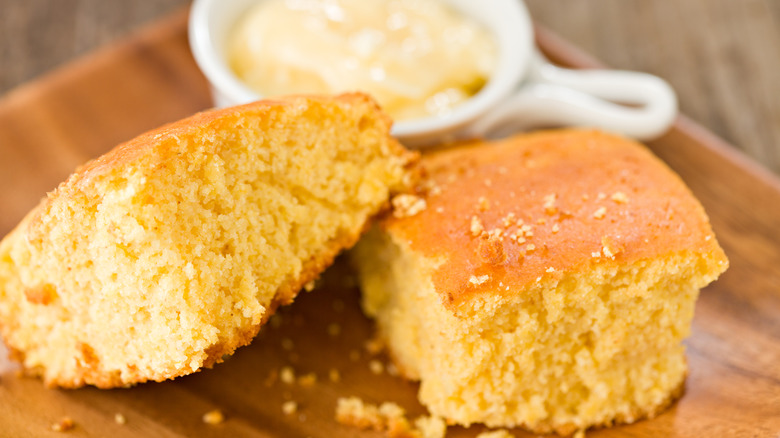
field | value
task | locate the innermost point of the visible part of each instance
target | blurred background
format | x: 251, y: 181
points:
x: 721, y: 56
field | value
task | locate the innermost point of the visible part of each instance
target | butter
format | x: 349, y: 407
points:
x: 416, y: 57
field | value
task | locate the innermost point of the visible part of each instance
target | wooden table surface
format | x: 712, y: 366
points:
x: 722, y: 56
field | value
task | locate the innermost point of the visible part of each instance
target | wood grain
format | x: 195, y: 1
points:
x: 49, y: 126
x: 721, y: 56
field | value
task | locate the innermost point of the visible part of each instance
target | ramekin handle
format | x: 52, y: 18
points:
x: 634, y: 104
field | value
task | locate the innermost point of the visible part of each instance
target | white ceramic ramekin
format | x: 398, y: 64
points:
x: 525, y: 91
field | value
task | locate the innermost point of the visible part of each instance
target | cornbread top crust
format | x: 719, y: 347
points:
x: 509, y: 213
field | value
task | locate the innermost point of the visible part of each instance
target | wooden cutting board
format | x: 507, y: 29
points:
x: 51, y: 125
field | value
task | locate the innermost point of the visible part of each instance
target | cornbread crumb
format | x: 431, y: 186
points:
x: 287, y: 375
x: 388, y: 418
x: 308, y: 287
x: 549, y: 204
x: 610, y: 247
x: 491, y: 249
x: 483, y: 204
x: 430, y: 426
x: 579, y: 434
x: 352, y: 411
x: 289, y: 407
x: 307, y: 379
x: 214, y: 417
x: 619, y: 197
x: 476, y: 281
x: 530, y: 247
x: 476, y: 226
x: 599, y: 214
x: 376, y: 366
x: 374, y: 345
x: 555, y: 228
x: 120, y: 418
x: 406, y: 205
x: 500, y: 433
x: 65, y: 424
x: 509, y: 219
x: 334, y: 375
x: 601, y: 196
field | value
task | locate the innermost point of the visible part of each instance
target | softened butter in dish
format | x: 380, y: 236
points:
x: 416, y: 57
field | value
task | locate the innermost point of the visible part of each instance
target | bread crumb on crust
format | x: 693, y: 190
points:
x: 491, y: 249
x: 406, y: 205
x: 610, y: 247
x: 477, y: 280
x: 619, y: 197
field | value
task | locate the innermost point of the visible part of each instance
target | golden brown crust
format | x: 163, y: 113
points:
x: 535, y: 202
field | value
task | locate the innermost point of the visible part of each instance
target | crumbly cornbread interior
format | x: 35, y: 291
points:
x: 590, y: 348
x: 167, y: 254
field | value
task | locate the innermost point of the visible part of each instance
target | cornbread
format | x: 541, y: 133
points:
x: 169, y: 252
x: 548, y: 283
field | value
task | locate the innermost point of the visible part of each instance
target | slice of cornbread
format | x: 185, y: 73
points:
x: 548, y: 283
x: 170, y: 251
